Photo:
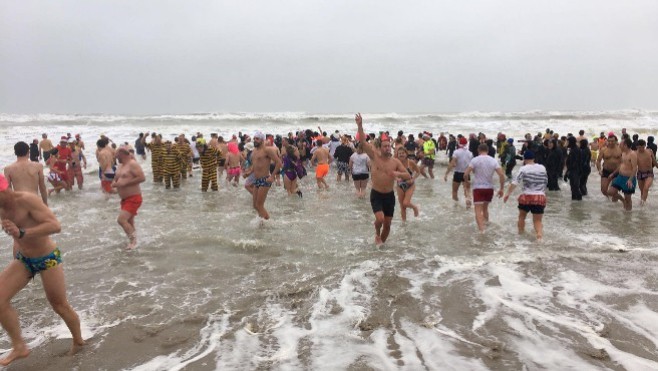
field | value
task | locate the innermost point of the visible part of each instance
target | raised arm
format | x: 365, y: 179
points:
x: 367, y: 148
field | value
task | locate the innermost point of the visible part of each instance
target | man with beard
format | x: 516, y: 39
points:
x: 126, y: 182
x: 385, y: 170
x: 261, y: 158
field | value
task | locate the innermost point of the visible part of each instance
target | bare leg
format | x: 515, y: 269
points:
x: 386, y: 228
x: 479, y: 216
x: 605, y: 185
x: 379, y: 222
x: 455, y: 188
x: 12, y: 279
x: 467, y: 194
x: 127, y: 221
x: 260, y: 195
x: 628, y: 202
x: 403, y: 208
x: 645, y: 184
x: 407, y: 200
x: 521, y: 221
x: 539, y: 227
x: 55, y: 287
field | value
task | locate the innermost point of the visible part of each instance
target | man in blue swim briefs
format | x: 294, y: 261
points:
x: 261, y: 158
x: 30, y: 222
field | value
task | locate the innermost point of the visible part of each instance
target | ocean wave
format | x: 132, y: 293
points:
x: 304, y: 117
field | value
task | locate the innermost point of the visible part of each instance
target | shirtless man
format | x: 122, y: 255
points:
x: 645, y: 164
x: 623, y: 179
x: 322, y: 156
x: 385, y: 171
x: 126, y: 182
x: 222, y: 147
x: 45, y: 146
x: 30, y: 222
x: 25, y: 175
x: 261, y: 158
x: 105, y: 157
x: 610, y: 155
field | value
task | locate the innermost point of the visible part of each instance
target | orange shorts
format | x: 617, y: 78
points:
x: 321, y: 170
x: 107, y: 185
x: 131, y: 203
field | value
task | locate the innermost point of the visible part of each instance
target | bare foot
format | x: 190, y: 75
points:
x: 416, y: 212
x: 468, y: 203
x: 15, y: 354
x: 75, y: 347
x: 132, y: 243
x: 378, y: 241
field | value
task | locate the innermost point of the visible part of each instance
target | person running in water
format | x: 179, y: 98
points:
x: 385, y: 171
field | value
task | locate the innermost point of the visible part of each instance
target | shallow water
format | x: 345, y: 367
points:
x: 210, y: 288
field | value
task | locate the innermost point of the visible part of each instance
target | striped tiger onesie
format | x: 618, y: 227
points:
x: 157, y: 149
x: 208, y: 157
x: 171, y: 161
x: 185, y: 152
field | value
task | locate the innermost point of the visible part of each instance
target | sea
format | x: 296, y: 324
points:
x: 212, y: 287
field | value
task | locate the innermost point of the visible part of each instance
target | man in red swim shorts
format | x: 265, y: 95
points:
x: 126, y: 181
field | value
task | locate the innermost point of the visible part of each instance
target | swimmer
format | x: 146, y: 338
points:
x: 385, y: 170
x: 30, y: 222
x: 322, y: 156
x: 126, y: 182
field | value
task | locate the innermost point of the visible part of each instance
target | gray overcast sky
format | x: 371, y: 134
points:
x: 142, y: 57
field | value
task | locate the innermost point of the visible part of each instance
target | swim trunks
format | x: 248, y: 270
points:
x: 532, y: 203
x: 233, y: 171
x: 343, y: 167
x: 605, y: 173
x: 429, y: 162
x: 106, y: 185
x: 357, y: 177
x: 262, y: 182
x: 382, y: 202
x: 54, y: 177
x: 482, y: 195
x: 221, y: 162
x: 620, y: 182
x: 322, y: 170
x: 458, y: 177
x: 250, y: 180
x: 131, y: 203
x: 36, y: 265
x: 642, y: 175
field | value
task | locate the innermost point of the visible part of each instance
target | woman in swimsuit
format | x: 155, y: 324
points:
x: 406, y: 188
x: 290, y: 160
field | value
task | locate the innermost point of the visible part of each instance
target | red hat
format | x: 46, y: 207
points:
x: 385, y: 138
x: 463, y: 141
x: 64, y: 138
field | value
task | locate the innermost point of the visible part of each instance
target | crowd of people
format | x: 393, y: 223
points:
x: 391, y: 164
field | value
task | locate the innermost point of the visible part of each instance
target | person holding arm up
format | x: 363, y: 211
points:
x: 385, y: 171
